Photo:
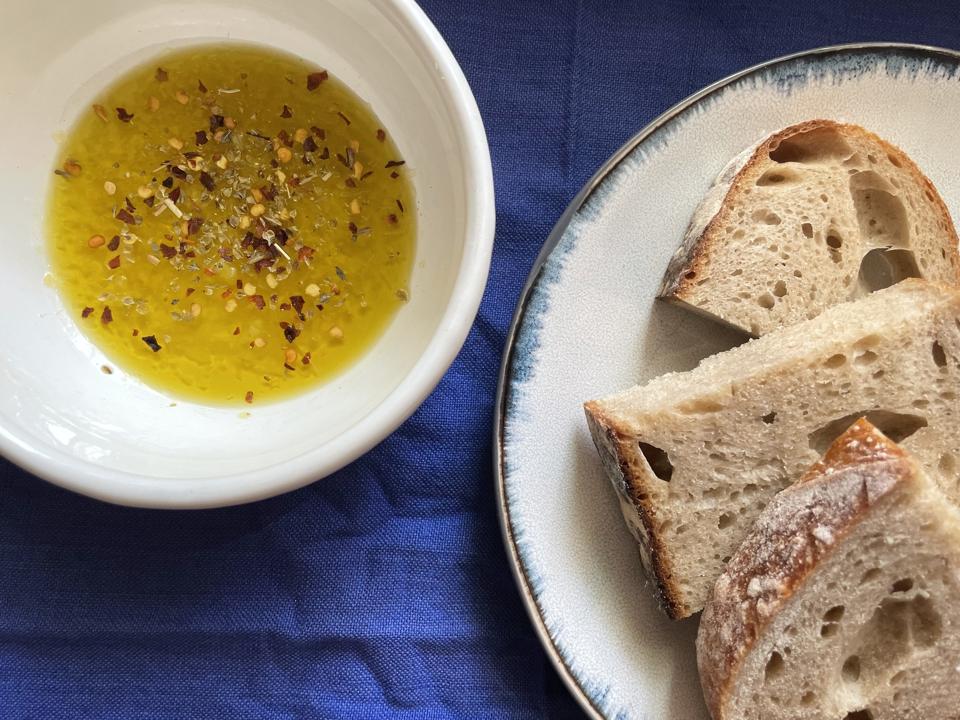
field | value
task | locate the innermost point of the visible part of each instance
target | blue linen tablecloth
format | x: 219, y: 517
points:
x: 384, y: 590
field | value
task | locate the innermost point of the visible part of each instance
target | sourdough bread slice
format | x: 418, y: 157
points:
x: 843, y: 602
x: 697, y: 455
x: 816, y: 214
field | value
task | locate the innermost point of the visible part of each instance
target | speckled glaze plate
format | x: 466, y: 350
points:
x: 588, y: 324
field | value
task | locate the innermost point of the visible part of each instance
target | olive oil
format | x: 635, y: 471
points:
x: 231, y: 224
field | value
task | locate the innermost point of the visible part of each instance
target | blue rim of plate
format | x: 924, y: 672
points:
x: 508, y: 366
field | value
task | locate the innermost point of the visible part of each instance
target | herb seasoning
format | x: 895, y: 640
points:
x: 271, y: 205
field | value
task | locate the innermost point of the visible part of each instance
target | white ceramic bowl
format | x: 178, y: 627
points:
x: 113, y: 437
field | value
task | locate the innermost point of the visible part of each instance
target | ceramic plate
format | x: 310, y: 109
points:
x: 588, y: 325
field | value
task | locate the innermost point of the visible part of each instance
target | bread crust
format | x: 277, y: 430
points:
x: 702, y: 235
x: 798, y: 529
x: 617, y: 450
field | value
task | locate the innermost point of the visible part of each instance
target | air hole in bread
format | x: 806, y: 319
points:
x: 815, y: 146
x: 869, y: 576
x: 834, y: 240
x: 831, y: 620
x: 903, y: 585
x: 867, y: 357
x: 766, y: 301
x: 808, y: 697
x: 898, y: 678
x: 894, y: 160
x: 834, y: 614
x: 769, y: 418
x: 767, y: 217
x: 882, y: 267
x: 859, y: 715
x: 775, y: 667
x: 896, y: 426
x: 948, y: 395
x: 657, y: 460
x: 881, y: 215
x: 947, y: 466
x: 737, y: 272
x: 780, y: 289
x: 797, y: 273
x: 807, y: 230
x: 939, y: 356
x: 850, y: 672
x: 929, y: 195
x: 725, y: 521
x: 778, y: 177
x: 835, y: 361
x: 824, y: 198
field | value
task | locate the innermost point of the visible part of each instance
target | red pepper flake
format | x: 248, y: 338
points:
x: 129, y: 204
x: 367, y: 174
x: 286, y: 112
x: 201, y: 87
x: 167, y: 182
x: 392, y: 219
x: 161, y: 75
x: 381, y: 135
x: 106, y: 370
x: 314, y: 79
x: 297, y: 302
x: 201, y: 137
x: 87, y: 312
x: 236, y: 330
x: 284, y: 137
x: 319, y: 132
x: 135, y: 332
x: 124, y: 115
x: 216, y: 121
x: 306, y: 358
x: 269, y: 192
x: 167, y: 251
x: 178, y: 172
x: 125, y: 216
x: 290, y: 333
x: 106, y: 317
x: 310, y: 145
x: 400, y: 205
x: 207, y: 180
x: 190, y: 291
x: 394, y: 175
x: 325, y: 155
x: 288, y: 366
x: 320, y: 307
x: 350, y: 182
x: 343, y: 117
x: 258, y: 301
x: 151, y: 341
x: 114, y: 262
x: 149, y: 202
x: 114, y: 243
x: 226, y: 254
x: 395, y: 163
x: 248, y: 398
x: 193, y: 225
x: 174, y: 194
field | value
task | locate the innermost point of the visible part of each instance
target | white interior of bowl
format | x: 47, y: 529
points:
x: 112, y: 436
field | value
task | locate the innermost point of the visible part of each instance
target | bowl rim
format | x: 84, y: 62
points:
x: 138, y: 490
